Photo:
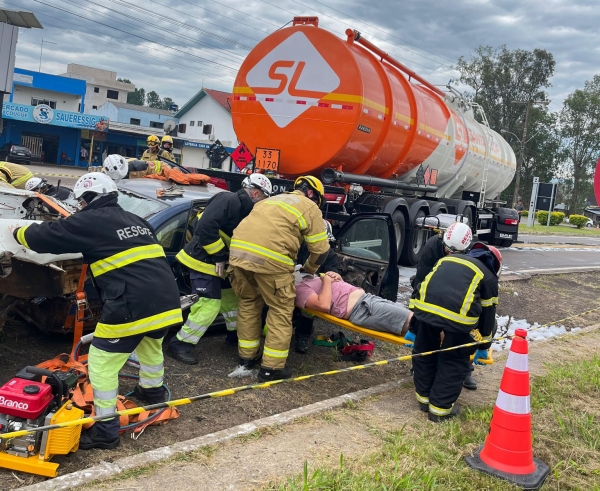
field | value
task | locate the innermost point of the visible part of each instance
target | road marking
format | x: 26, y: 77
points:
x: 74, y: 176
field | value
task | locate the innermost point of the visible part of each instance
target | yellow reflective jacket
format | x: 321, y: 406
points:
x: 20, y: 174
x: 148, y: 155
x: 268, y: 240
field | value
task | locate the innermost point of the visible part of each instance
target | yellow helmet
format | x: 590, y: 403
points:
x: 167, y: 139
x: 153, y: 141
x: 309, y: 182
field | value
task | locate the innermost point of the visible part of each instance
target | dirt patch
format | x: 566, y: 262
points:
x: 541, y: 299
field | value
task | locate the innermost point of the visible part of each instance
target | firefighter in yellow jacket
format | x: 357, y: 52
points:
x: 262, y: 256
x: 14, y: 174
x: 154, y: 152
x: 166, y: 144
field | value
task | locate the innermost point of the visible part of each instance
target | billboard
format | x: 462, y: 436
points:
x: 44, y: 114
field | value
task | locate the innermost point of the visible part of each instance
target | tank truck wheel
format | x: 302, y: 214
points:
x: 400, y: 229
x: 415, y: 240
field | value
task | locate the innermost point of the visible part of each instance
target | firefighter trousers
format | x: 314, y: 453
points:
x: 439, y: 377
x: 278, y: 292
x: 214, y: 296
x: 105, y: 360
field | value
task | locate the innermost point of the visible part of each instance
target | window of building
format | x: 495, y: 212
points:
x: 199, y: 123
x: 155, y: 124
x: 36, y: 102
x: 181, y: 128
x: 207, y: 130
x: 112, y: 94
x: 79, y: 107
x: 94, y: 107
x: 134, y: 121
x: 97, y: 90
x: 191, y: 123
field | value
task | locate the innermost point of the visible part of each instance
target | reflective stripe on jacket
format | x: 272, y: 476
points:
x: 20, y: 174
x: 213, y: 230
x: 268, y: 240
x: 460, y: 294
x: 138, y: 289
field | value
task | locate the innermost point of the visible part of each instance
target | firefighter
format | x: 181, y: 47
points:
x: 262, y: 256
x: 206, y: 255
x: 118, y: 167
x: 456, y: 239
x: 153, y: 151
x: 14, y: 174
x: 166, y: 144
x: 139, y: 293
x: 44, y: 187
x: 458, y: 298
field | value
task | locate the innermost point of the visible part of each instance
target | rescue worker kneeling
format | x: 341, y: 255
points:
x: 263, y: 252
x: 459, y: 296
x: 206, y: 255
x: 139, y: 293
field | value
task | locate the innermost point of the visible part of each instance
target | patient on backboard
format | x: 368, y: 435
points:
x: 330, y: 294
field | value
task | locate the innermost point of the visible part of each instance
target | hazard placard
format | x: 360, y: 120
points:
x: 241, y: 156
x: 267, y: 159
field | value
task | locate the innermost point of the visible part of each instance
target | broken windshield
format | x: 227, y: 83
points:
x: 140, y: 205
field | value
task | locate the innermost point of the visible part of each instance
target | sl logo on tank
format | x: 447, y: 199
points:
x: 291, y: 78
x: 44, y: 114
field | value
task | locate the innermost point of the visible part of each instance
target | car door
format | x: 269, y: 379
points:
x: 366, y: 256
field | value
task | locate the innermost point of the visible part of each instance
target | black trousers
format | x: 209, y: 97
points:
x: 439, y: 377
x: 302, y: 322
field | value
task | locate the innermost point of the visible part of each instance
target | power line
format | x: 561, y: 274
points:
x: 371, y: 35
x: 136, y: 35
x: 244, y: 13
x: 224, y: 78
x: 387, y: 33
x: 176, y: 22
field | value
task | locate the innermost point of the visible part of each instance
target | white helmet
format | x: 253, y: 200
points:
x: 34, y: 183
x: 458, y: 237
x: 94, y: 182
x: 258, y: 181
x: 115, y: 166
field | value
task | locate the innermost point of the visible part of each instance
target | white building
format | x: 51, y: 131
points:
x: 101, y: 85
x: 203, y: 119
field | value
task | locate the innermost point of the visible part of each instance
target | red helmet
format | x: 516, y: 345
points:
x: 495, y: 252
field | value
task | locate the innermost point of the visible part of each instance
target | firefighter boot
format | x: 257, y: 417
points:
x: 470, y: 383
x: 302, y: 343
x: 455, y: 411
x: 104, y: 435
x: 232, y: 338
x: 187, y: 357
x: 268, y: 374
x: 154, y: 395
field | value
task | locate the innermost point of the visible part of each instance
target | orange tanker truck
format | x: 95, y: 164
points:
x: 382, y: 138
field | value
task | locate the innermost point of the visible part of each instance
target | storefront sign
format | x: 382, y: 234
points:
x: 23, y: 79
x: 202, y: 145
x: 44, y: 114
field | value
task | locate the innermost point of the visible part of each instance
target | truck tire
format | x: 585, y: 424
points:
x: 506, y: 243
x: 415, y: 240
x: 400, y: 229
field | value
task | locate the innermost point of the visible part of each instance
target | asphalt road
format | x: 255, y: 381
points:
x: 559, y: 239
x: 52, y: 173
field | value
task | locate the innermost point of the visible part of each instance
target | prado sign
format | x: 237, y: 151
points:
x: 44, y: 114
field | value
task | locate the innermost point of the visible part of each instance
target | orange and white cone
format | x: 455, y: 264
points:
x: 507, y: 452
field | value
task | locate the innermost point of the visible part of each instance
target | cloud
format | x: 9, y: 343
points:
x: 176, y: 46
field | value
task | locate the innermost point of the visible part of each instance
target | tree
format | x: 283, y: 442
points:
x: 153, y: 100
x: 124, y: 80
x: 579, y: 130
x: 137, y: 97
x: 166, y: 102
x: 496, y: 78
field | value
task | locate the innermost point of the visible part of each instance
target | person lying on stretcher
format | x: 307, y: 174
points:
x: 330, y: 294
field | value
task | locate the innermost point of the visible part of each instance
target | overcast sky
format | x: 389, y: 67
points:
x: 176, y: 46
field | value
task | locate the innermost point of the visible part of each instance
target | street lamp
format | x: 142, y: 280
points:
x: 41, y: 51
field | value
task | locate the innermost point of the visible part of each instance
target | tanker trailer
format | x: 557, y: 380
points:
x: 386, y: 138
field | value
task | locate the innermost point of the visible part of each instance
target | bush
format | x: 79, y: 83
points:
x: 556, y: 217
x: 525, y: 213
x: 578, y: 220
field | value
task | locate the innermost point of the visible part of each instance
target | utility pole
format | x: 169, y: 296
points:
x: 521, y: 159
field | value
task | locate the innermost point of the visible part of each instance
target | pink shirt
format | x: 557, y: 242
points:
x: 340, y: 290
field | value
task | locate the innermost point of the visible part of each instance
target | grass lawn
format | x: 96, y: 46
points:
x: 557, y: 230
x: 566, y: 435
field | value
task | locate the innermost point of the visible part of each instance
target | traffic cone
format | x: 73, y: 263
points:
x: 507, y: 452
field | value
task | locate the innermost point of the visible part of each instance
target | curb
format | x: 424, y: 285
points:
x: 106, y: 470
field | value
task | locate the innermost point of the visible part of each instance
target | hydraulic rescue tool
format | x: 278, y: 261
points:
x: 28, y: 402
